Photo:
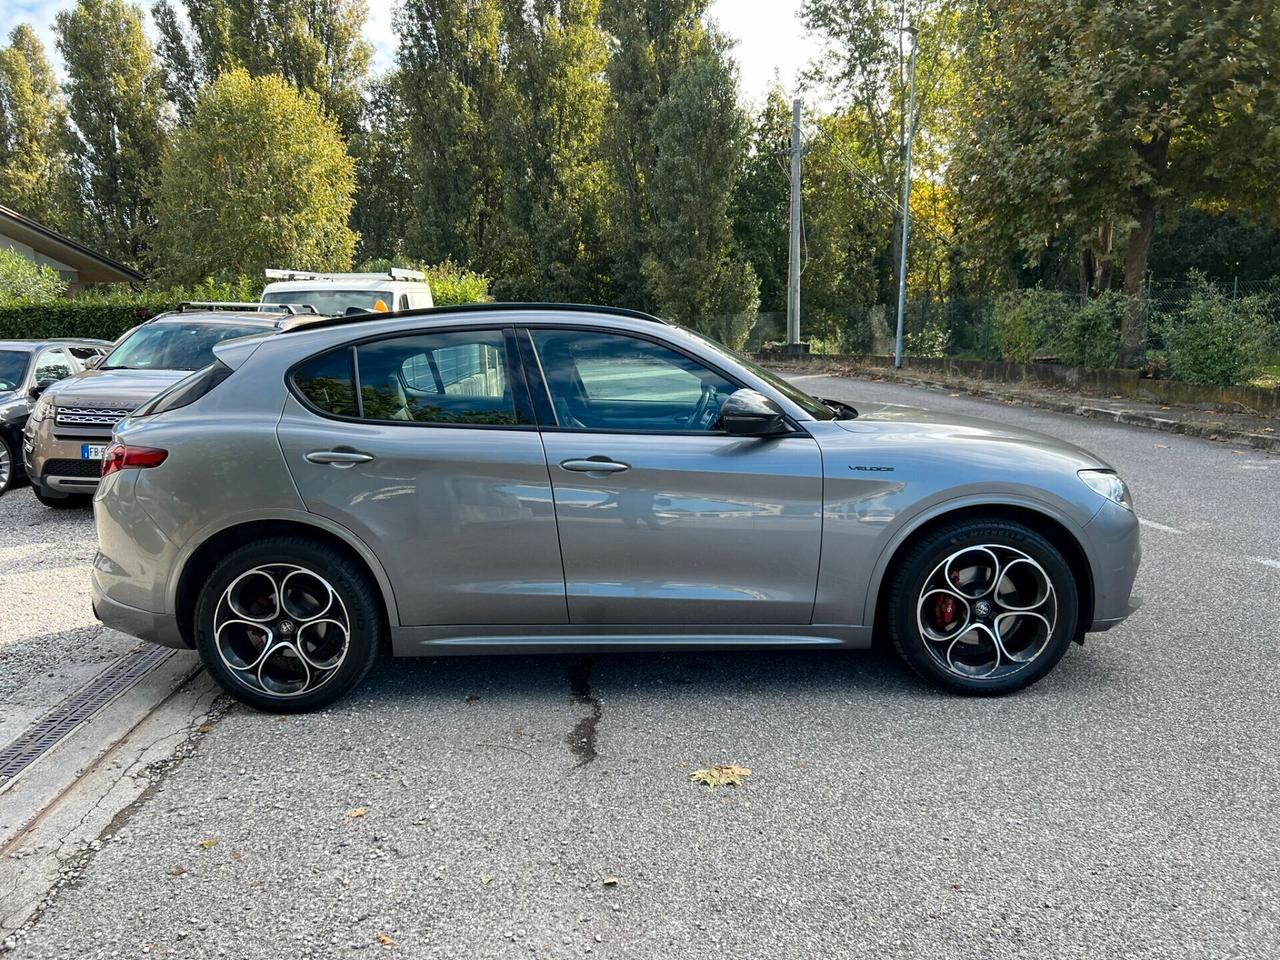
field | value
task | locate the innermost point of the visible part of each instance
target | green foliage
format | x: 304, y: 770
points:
x: 258, y: 178
x: 34, y: 135
x: 1213, y: 338
x: 549, y: 242
x: 384, y: 210
x: 22, y: 281
x: 117, y: 104
x: 1090, y: 336
x: 1026, y: 321
x: 450, y: 80
x: 761, y: 200
x: 317, y: 47
x: 450, y: 283
x: 929, y: 341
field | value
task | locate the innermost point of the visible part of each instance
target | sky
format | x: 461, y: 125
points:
x: 768, y: 34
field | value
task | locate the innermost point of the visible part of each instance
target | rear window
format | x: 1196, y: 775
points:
x: 174, y: 346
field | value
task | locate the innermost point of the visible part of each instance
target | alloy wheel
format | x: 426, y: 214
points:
x: 281, y: 629
x: 6, y: 467
x: 987, y: 612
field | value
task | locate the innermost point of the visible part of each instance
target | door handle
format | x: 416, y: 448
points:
x: 339, y: 458
x: 603, y: 465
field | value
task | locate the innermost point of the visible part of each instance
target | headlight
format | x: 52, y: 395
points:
x: 42, y: 409
x: 1109, y: 485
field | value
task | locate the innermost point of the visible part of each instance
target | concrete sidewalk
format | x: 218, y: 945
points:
x: 1239, y: 428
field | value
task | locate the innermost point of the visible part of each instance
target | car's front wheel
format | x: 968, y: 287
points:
x: 8, y: 464
x: 983, y: 606
x: 288, y: 624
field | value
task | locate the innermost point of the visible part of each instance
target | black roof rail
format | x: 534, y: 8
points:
x: 475, y: 308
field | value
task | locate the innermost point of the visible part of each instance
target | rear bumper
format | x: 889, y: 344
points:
x: 154, y: 627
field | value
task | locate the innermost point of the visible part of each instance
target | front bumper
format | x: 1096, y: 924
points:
x: 154, y: 627
x: 55, y: 463
x: 1116, y: 545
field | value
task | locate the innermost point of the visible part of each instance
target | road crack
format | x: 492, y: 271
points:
x: 582, y: 738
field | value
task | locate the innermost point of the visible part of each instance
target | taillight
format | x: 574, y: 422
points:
x: 121, y: 456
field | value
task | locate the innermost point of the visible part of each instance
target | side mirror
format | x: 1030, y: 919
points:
x: 40, y: 388
x: 92, y: 362
x: 749, y: 413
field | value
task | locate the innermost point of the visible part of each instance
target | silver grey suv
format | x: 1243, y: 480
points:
x: 552, y: 478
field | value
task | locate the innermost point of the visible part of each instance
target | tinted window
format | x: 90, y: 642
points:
x: 616, y: 383
x: 187, y: 391
x: 13, y: 367
x: 85, y: 353
x: 327, y: 382
x: 174, y: 346
x: 459, y: 377
x: 53, y: 365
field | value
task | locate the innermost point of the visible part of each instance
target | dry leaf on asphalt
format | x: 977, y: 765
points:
x: 209, y: 843
x: 1163, y: 446
x: 357, y: 812
x: 721, y: 775
x: 610, y: 881
x: 486, y: 878
x: 385, y: 940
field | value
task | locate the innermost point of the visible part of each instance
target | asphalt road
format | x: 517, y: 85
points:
x: 1124, y: 807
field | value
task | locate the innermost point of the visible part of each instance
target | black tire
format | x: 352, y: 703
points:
x: 360, y: 603
x: 924, y: 562
x: 61, y: 501
x: 10, y: 465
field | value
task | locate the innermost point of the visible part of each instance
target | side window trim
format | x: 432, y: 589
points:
x: 353, y: 356
x: 531, y: 366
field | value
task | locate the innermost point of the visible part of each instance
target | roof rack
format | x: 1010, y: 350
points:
x: 393, y: 273
x: 476, y: 308
x: 245, y: 306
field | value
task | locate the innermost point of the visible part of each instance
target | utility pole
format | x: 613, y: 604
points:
x: 906, y: 200
x: 793, y: 274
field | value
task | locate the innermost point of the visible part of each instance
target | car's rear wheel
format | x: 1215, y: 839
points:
x: 288, y: 624
x: 983, y: 606
x: 8, y: 465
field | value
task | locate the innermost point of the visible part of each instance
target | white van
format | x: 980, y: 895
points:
x: 333, y: 294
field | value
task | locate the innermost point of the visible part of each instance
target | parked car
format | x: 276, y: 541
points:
x: 27, y: 369
x: 337, y: 293
x: 70, y: 425
x: 495, y: 478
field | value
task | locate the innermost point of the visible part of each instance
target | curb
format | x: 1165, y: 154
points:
x: 1204, y: 430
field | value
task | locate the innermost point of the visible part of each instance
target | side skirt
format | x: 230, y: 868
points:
x: 559, y: 638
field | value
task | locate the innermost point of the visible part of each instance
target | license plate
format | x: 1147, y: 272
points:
x: 92, y: 451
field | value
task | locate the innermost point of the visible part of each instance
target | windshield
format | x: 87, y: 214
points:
x: 332, y: 302
x: 810, y: 405
x: 13, y: 368
x: 173, y: 346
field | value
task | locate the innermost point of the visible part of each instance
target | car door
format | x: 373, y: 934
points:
x: 424, y: 445
x: 662, y: 517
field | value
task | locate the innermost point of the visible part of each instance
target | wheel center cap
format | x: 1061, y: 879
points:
x: 285, y: 627
x: 982, y: 608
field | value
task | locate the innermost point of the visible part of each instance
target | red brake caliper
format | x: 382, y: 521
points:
x: 944, y: 611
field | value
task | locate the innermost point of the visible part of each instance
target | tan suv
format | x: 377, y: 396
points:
x: 70, y: 425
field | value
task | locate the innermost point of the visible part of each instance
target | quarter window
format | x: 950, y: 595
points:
x: 328, y: 382
x: 615, y: 383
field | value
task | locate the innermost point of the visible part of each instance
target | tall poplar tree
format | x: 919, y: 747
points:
x: 34, y: 136
x: 117, y: 103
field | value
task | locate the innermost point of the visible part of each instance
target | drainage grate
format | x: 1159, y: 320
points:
x: 45, y: 733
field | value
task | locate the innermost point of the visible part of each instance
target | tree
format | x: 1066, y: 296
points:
x: 22, y: 281
x: 550, y: 242
x: 699, y: 134
x: 258, y: 178
x: 1091, y: 118
x: 761, y: 200
x: 34, y: 136
x: 384, y: 209
x: 451, y: 79
x: 117, y: 104
x: 316, y: 45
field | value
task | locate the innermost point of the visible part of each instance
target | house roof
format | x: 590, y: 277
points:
x: 92, y: 267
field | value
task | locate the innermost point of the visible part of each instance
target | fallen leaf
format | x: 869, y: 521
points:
x: 473, y: 698
x: 179, y: 870
x: 355, y: 812
x: 1239, y: 453
x: 721, y: 775
x: 486, y: 878
x: 209, y: 843
x: 610, y: 881
x: 205, y: 728
x: 385, y: 940
x: 1163, y: 446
